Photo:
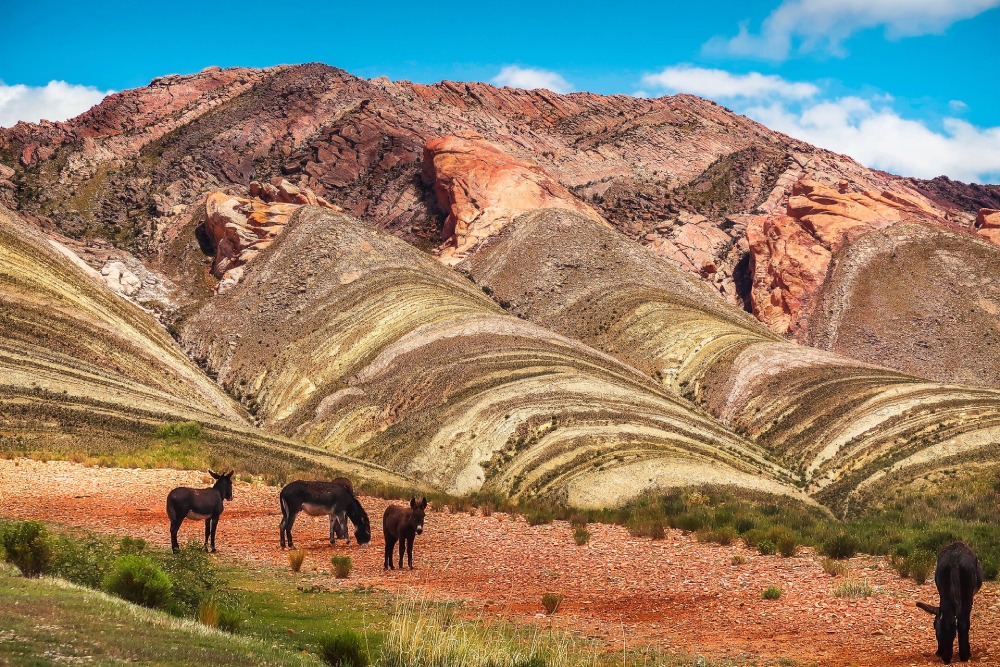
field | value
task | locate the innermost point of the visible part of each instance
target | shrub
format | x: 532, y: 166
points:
x: 772, y: 593
x: 921, y: 564
x: 834, y: 568
x: 179, y: 431
x: 343, y: 648
x: 84, y: 561
x: 745, y: 525
x: 538, y: 516
x: 737, y: 560
x: 27, y: 545
x: 342, y: 566
x: 578, y: 520
x: 487, y: 509
x: 131, y: 545
x: 840, y: 546
x: 193, y: 575
x: 139, y: 580
x: 551, y: 602
x: 581, y: 535
x: 724, y: 536
x: 853, y: 588
x: 296, y: 558
x: 231, y: 619
x: 766, y: 547
x: 788, y: 545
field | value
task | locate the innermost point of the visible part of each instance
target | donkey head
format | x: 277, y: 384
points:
x: 224, y: 483
x: 944, y: 630
x: 415, y: 520
x: 362, y: 526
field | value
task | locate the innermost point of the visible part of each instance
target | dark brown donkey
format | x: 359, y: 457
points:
x: 402, y: 524
x: 338, y: 522
x: 187, y: 503
x: 959, y: 576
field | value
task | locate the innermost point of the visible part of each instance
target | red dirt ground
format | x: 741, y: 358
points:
x: 675, y: 594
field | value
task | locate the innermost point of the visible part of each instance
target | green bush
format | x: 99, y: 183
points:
x: 840, y: 546
x: 27, y: 545
x: 343, y: 648
x: 138, y: 579
x: 342, y: 566
x: 538, y: 516
x: 84, y: 561
x: 772, y: 593
x: 581, y: 535
x: 766, y: 547
x: 179, y: 431
x: 193, y: 574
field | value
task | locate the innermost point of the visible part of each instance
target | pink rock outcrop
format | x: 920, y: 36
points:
x: 240, y: 228
x: 790, y: 253
x: 481, y: 188
x: 988, y: 224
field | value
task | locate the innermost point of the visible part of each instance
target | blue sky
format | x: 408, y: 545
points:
x: 910, y: 86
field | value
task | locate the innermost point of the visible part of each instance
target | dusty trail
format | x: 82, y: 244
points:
x: 674, y: 593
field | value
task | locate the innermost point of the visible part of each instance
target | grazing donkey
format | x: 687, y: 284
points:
x: 338, y: 522
x: 958, y: 576
x: 187, y: 503
x: 317, y: 499
x: 399, y: 523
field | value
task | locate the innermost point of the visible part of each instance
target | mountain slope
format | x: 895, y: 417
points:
x: 840, y: 423
x: 355, y: 342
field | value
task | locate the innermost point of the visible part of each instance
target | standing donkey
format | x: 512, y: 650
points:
x: 402, y: 524
x: 187, y: 503
x: 338, y: 522
x: 318, y: 499
x: 958, y: 577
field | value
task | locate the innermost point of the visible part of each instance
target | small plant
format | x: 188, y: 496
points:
x: 834, y: 568
x: 840, y: 546
x: 581, y: 535
x: 538, y: 516
x: 342, y: 566
x: 920, y: 565
x: 208, y: 613
x: 737, y: 560
x: 578, y: 520
x: 766, y: 547
x: 139, y: 580
x: 296, y: 558
x: 487, y: 509
x: 27, y: 545
x: 231, y: 618
x: 772, y: 593
x: 343, y: 648
x: 551, y: 602
x: 179, y: 431
x: 854, y: 588
x: 788, y: 546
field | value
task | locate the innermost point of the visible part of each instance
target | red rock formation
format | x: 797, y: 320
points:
x: 790, y: 254
x: 240, y: 228
x: 988, y: 224
x: 481, y: 188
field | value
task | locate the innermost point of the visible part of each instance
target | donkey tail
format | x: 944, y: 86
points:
x: 956, y: 588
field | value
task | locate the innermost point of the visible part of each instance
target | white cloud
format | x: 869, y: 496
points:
x: 875, y: 135
x: 56, y: 100
x: 531, y: 78
x: 719, y: 84
x: 826, y: 24
x: 957, y: 106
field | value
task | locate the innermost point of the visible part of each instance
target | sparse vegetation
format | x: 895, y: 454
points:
x: 342, y: 566
x: 840, y: 546
x: 551, y: 602
x: 296, y: 558
x: 854, y: 588
x: 581, y: 535
x: 771, y: 593
x: 834, y: 568
x: 189, y: 430
x: 737, y: 559
x: 343, y: 648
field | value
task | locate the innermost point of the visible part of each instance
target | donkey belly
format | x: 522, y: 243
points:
x: 316, y: 510
x: 194, y: 515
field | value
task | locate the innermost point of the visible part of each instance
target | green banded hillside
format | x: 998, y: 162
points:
x: 852, y: 430
x: 355, y: 342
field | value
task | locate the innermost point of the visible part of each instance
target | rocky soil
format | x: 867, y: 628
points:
x: 675, y: 594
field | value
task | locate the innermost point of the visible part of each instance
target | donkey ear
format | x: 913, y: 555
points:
x: 214, y: 475
x: 228, y: 474
x: 413, y: 502
x: 423, y: 503
x: 930, y: 609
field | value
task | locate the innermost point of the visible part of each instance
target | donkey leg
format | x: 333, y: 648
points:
x: 333, y: 533
x: 964, y: 623
x: 390, y: 542
x: 174, y: 527
x: 402, y: 549
x: 288, y: 523
x: 215, y: 524
x: 409, y: 552
x: 208, y: 531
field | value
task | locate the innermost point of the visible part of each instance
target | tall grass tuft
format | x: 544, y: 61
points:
x: 296, y: 558
x: 854, y: 588
x: 342, y: 566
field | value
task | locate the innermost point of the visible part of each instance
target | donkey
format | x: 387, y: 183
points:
x: 338, y: 522
x: 959, y: 576
x: 187, y: 503
x: 399, y: 523
x: 317, y: 499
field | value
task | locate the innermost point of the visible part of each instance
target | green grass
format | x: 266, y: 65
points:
x: 49, y: 620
